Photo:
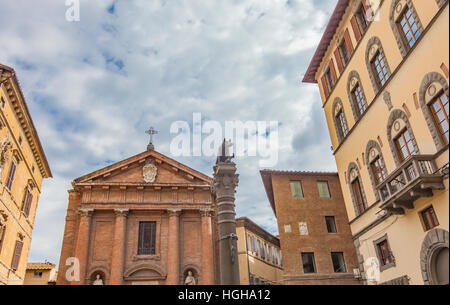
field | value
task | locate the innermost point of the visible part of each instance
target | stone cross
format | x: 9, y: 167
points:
x: 151, y: 132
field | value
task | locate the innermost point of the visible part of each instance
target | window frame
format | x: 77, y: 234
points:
x: 343, y: 260
x: 333, y: 218
x: 357, y: 183
x: 27, y: 201
x: 400, y: 28
x: 319, y: 182
x: 380, y: 167
x: 311, y: 255
x: 11, y: 175
x: 291, y: 183
x: 380, y: 244
x: 434, y: 100
x: 359, y: 99
x: 141, y: 250
x: 380, y: 58
x: 428, y: 211
x: 401, y: 135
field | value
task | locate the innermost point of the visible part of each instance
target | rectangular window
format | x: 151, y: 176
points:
x: 253, y: 244
x: 345, y: 56
x: 37, y: 274
x: 378, y: 170
x: 439, y: 109
x: 404, y: 144
x: 380, y: 69
x: 309, y: 265
x: 429, y: 218
x: 338, y: 262
x: 263, y: 250
x: 384, y: 253
x: 362, y: 20
x: 342, y: 123
x: 147, y: 238
x: 359, y: 99
x: 248, y: 241
x: 11, y: 174
x: 2, y: 235
x: 296, y: 189
x: 28, y: 199
x: 258, y: 247
x: 330, y: 80
x: 408, y: 28
x: 358, y: 196
x: 324, y: 191
x: 17, y: 254
x: 269, y: 258
x: 331, y: 224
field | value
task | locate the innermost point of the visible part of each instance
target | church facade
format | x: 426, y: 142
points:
x: 144, y: 220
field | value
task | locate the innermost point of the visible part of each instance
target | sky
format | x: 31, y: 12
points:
x: 95, y: 85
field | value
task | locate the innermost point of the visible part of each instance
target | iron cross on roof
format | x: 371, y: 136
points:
x: 151, y: 132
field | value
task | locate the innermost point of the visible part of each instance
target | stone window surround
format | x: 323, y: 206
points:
x: 356, y: 113
x: 135, y: 238
x: 399, y: 114
x: 375, y: 41
x: 435, y: 240
x: 398, y: 36
x: 377, y: 251
x: 402, y: 280
x: 353, y: 166
x: 421, y: 217
x: 374, y: 145
x: 337, y: 126
x: 428, y: 80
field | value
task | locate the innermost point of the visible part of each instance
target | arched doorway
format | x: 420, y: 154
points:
x: 434, y: 257
x: 440, y: 266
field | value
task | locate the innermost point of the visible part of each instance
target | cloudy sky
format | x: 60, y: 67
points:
x: 94, y: 86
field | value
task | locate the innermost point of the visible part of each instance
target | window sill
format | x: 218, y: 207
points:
x: 387, y: 266
x: 141, y: 257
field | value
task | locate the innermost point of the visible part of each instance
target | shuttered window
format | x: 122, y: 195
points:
x: 16, y: 256
x: 11, y: 174
x: 296, y: 189
x: 324, y: 191
x: 28, y: 199
x: 147, y: 238
x: 2, y: 235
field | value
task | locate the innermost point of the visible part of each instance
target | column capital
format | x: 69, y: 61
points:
x: 85, y: 212
x: 206, y: 212
x: 174, y: 212
x: 121, y: 212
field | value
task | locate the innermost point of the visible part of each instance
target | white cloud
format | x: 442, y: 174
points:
x: 94, y: 86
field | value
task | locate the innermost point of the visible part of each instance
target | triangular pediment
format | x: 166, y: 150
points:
x: 131, y: 171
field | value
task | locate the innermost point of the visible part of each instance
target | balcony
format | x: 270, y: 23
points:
x: 417, y: 177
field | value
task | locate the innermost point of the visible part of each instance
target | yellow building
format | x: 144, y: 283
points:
x: 383, y: 75
x: 260, y: 260
x: 22, y: 168
x: 40, y: 274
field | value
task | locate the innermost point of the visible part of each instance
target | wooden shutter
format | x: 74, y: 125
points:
x: 325, y: 86
x: 17, y: 253
x: 339, y: 60
x: 333, y: 72
x: 12, y: 171
x: 28, y: 203
x: 348, y: 42
x: 355, y: 27
x: 2, y: 235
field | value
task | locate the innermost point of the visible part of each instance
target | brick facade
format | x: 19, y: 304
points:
x: 103, y: 216
x: 312, y: 210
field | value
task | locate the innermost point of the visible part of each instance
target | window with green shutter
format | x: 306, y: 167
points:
x: 324, y: 191
x: 296, y: 189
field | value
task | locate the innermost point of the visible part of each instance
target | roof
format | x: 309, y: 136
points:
x: 40, y: 266
x: 253, y: 227
x: 266, y: 176
x: 310, y: 75
x: 39, y: 154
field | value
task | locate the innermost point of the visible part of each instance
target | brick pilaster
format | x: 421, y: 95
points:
x: 207, y: 248
x: 82, y: 247
x: 118, y: 251
x: 173, y: 252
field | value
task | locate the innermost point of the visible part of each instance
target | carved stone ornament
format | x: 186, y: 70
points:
x: 149, y: 172
x: 5, y: 148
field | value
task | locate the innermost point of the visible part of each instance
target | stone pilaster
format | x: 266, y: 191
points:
x: 224, y: 185
x: 118, y: 251
x: 207, y: 248
x: 82, y: 247
x: 173, y: 251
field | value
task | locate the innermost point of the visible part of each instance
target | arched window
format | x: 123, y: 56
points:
x: 405, y: 24
x: 356, y: 189
x: 375, y: 165
x: 433, y: 97
x: 340, y: 122
x: 401, y: 137
x: 377, y: 64
x: 356, y: 95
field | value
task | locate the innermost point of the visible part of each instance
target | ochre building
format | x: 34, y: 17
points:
x: 259, y: 254
x: 144, y: 220
x: 383, y: 78
x: 40, y: 274
x: 314, y: 233
x: 23, y: 166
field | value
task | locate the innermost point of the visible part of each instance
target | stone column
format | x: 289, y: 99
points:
x: 118, y: 251
x: 82, y: 246
x: 173, y: 251
x: 224, y: 185
x: 207, y: 248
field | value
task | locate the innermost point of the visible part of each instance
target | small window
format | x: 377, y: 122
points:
x: 324, y: 191
x: 429, y: 218
x: 37, y: 274
x: 331, y: 224
x: 258, y: 247
x: 11, y: 174
x: 296, y: 189
x: 27, y: 201
x: 338, y: 262
x: 361, y: 18
x: 263, y: 250
x: 356, y: 187
x: 147, y: 238
x: 439, y: 108
x: 309, y: 265
x: 342, y: 123
x: 330, y: 80
x: 385, y: 254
